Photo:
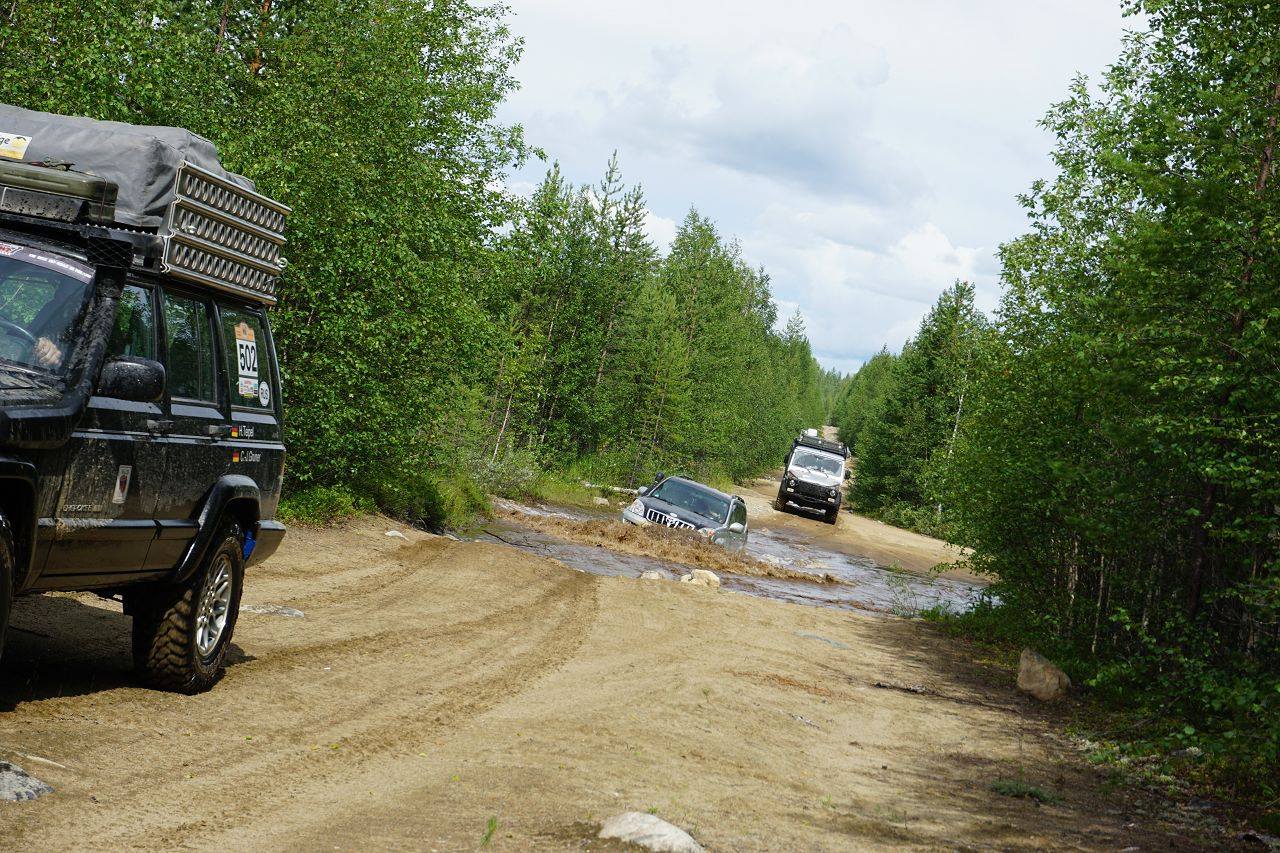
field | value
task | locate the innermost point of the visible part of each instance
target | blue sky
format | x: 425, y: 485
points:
x: 866, y: 154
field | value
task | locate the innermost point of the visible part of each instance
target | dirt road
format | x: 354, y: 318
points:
x: 856, y: 534
x: 433, y: 685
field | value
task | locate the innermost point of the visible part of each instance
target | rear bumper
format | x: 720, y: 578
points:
x: 270, y: 535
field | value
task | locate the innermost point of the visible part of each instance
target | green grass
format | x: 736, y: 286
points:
x: 320, y: 505
x: 490, y: 828
x: 1023, y: 790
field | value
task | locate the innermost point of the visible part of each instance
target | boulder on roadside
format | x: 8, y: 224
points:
x: 1038, y: 676
x: 652, y: 575
x: 16, y: 785
x: 600, y: 501
x: 650, y: 832
x: 702, y: 577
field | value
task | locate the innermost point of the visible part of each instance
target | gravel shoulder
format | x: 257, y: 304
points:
x: 433, y: 685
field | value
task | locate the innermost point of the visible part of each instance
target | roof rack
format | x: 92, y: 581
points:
x: 162, y: 190
x: 822, y: 444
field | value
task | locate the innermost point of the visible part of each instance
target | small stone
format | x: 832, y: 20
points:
x: 395, y: 534
x: 652, y: 575
x: 830, y: 642
x: 1039, y: 677
x: 702, y: 577
x: 600, y: 501
x: 272, y: 610
x: 16, y: 784
x: 650, y: 832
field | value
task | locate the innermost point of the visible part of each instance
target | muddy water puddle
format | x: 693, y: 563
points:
x: 842, y: 581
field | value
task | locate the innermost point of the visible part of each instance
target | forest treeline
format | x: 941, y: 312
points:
x: 1108, y: 443
x: 439, y: 336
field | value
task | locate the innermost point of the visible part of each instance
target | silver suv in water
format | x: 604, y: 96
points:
x: 682, y: 504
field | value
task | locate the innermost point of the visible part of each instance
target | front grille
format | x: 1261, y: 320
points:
x: 812, y: 490
x: 661, y: 518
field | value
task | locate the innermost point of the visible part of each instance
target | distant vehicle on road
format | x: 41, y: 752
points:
x: 682, y: 504
x: 814, y: 476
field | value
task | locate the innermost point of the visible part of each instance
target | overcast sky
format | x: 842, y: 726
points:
x: 867, y: 154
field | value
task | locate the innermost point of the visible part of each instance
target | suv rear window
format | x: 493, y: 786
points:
x: 190, y: 367
x: 247, y: 364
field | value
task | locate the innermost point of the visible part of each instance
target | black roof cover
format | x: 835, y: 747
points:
x: 142, y: 161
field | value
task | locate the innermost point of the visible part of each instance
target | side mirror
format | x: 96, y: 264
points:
x: 139, y: 380
x: 661, y: 476
x: 642, y: 491
x: 737, y: 527
x: 847, y: 473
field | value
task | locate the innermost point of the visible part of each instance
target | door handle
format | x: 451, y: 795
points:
x: 219, y: 430
x: 159, y: 425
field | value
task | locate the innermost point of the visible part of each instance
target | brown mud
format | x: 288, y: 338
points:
x: 657, y: 542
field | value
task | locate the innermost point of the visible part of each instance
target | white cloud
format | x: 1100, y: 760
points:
x: 661, y: 230
x: 866, y: 153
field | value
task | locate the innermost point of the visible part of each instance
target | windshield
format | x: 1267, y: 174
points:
x: 694, y: 498
x: 41, y: 299
x: 815, y: 461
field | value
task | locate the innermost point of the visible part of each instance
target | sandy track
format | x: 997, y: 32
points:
x: 433, y: 685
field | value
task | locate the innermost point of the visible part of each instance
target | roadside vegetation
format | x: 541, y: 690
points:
x: 1109, y: 444
x: 440, y: 337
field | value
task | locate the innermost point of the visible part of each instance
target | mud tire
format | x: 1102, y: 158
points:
x: 7, y: 575
x: 164, y: 624
x: 831, y: 515
x: 778, y: 503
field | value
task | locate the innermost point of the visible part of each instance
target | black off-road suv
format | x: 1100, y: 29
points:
x: 141, y: 452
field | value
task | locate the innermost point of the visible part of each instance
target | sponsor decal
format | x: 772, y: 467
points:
x: 13, y: 145
x: 57, y: 264
x: 123, y: 476
x: 82, y: 508
x: 264, y: 393
x: 246, y: 456
x: 8, y: 249
x: 242, y: 431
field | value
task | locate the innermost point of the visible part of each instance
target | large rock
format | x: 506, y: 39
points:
x: 702, y: 577
x: 1039, y: 677
x: 16, y: 784
x: 650, y: 832
x: 652, y: 575
x: 600, y: 501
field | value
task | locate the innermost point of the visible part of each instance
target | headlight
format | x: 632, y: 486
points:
x: 831, y: 492
x: 637, y: 507
x: 707, y: 531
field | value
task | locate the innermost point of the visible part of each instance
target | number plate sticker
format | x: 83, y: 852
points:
x: 247, y: 360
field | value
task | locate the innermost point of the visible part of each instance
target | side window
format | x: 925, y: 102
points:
x: 739, y: 514
x: 135, y: 330
x: 247, y: 360
x: 190, y: 365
